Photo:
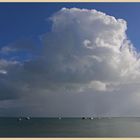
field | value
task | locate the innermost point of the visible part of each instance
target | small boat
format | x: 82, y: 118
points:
x: 19, y: 119
x: 84, y: 118
x: 27, y: 118
x: 59, y: 118
x: 91, y: 118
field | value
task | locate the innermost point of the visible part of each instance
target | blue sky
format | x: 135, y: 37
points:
x: 29, y: 20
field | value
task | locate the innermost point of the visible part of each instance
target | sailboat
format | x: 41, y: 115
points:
x: 19, y: 119
x: 91, y: 118
x: 27, y: 118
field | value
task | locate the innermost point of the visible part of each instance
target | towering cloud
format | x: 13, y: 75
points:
x: 89, y: 48
x: 87, y: 66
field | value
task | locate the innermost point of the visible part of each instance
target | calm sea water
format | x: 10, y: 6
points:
x: 75, y: 127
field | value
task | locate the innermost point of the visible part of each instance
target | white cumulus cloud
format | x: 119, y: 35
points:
x: 88, y: 45
x: 86, y: 53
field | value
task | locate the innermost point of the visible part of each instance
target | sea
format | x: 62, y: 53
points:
x: 70, y: 127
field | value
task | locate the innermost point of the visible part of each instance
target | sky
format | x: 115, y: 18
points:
x: 69, y: 59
